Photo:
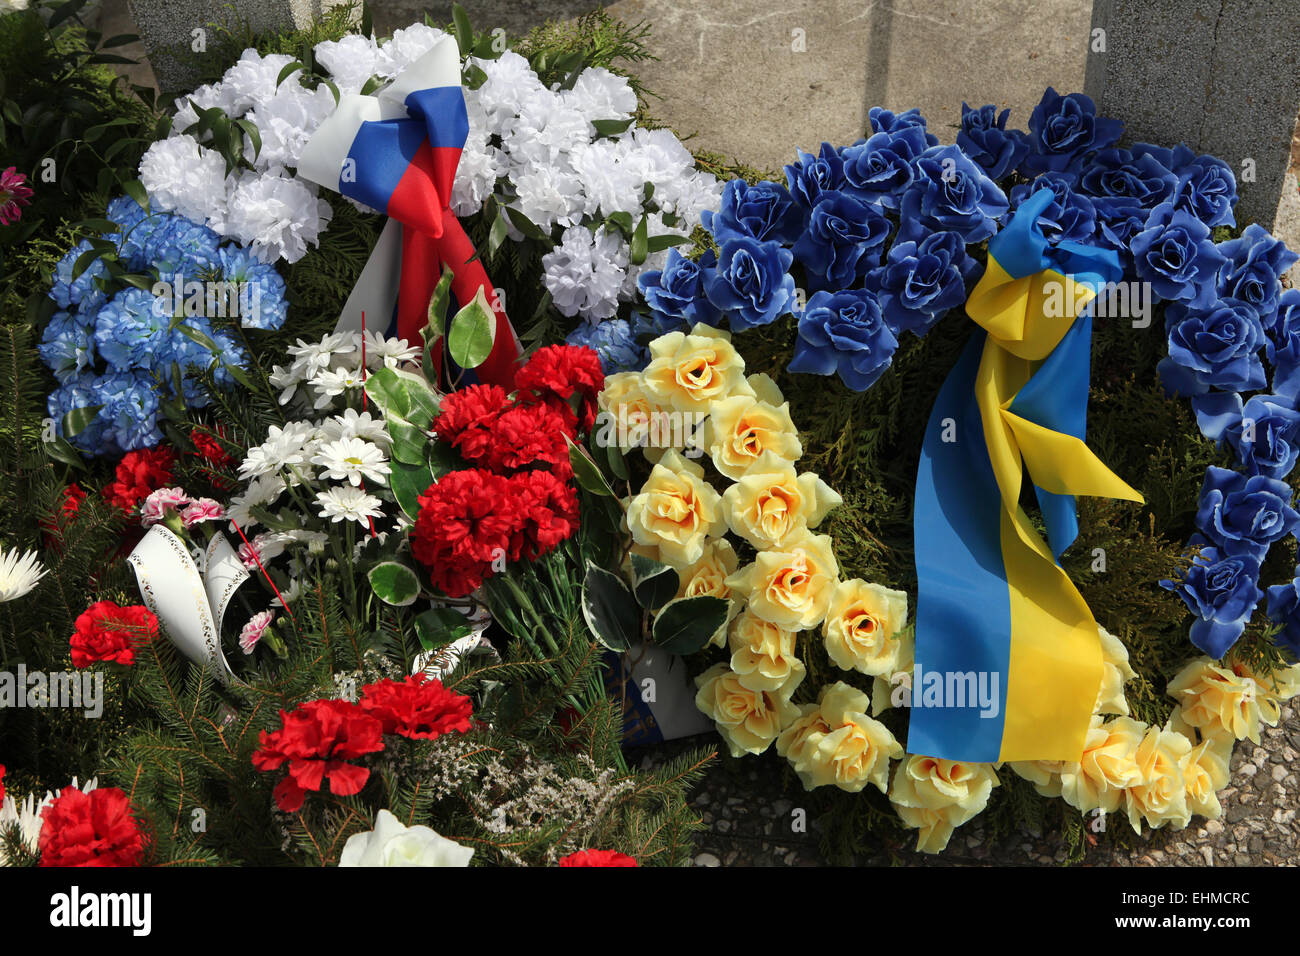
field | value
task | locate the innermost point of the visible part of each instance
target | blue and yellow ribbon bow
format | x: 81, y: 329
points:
x: 995, y: 611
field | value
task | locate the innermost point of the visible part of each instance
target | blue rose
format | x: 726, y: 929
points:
x: 1206, y: 187
x: 884, y: 121
x: 1222, y: 591
x: 67, y: 345
x: 1209, y: 348
x: 1245, y: 515
x: 810, y: 175
x: 262, y: 303
x: 752, y: 282
x: 763, y: 211
x: 1283, y: 346
x: 950, y: 193
x: 844, y: 333
x: 1117, y: 179
x: 1265, y: 432
x: 1069, y: 216
x: 1255, y: 263
x: 1062, y: 130
x: 880, y: 168
x: 844, y: 239
x: 1284, y: 609
x: 614, y: 340
x: 985, y: 138
x: 1176, y: 255
x: 1116, y: 227
x: 676, y: 291
x: 919, y: 282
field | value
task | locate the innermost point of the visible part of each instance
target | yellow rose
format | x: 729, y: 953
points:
x: 707, y: 577
x: 862, y: 626
x: 771, y: 505
x: 1274, y: 688
x: 1218, y: 701
x: 1160, y: 795
x: 896, y: 682
x: 1108, y: 768
x: 741, y: 429
x: 1205, y: 772
x: 676, y: 511
x: 835, y: 742
x: 693, y: 372
x: 1045, y: 775
x: 763, y: 655
x: 748, y: 720
x: 790, y: 588
x: 937, y: 796
x: 1115, y: 671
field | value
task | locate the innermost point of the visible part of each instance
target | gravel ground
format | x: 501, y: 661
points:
x: 748, y: 817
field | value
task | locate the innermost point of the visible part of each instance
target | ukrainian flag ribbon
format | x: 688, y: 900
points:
x: 398, y: 152
x: 995, y: 610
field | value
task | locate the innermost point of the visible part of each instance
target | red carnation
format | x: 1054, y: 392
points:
x: 465, y: 523
x: 550, y: 508
x: 417, y: 707
x: 90, y: 829
x: 68, y: 508
x: 106, y: 632
x: 561, y: 371
x: 467, y: 417
x: 208, y: 448
x: 527, y: 434
x: 316, y: 740
x: 140, y: 473
x: 598, y: 858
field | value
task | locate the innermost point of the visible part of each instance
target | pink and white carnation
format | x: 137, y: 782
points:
x: 200, y: 510
x: 157, y: 505
x: 252, y: 632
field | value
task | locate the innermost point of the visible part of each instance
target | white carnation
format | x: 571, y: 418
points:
x: 689, y: 195
x: 287, y: 121
x: 183, y: 177
x: 545, y: 131
x: 548, y: 195
x: 585, y: 272
x: 279, y: 216
x: 655, y: 155
x: 476, y: 176
x: 599, y: 94
x: 205, y: 98
x: 405, y: 47
x: 351, y: 61
x: 510, y: 84
x: 609, y: 184
x: 252, y: 80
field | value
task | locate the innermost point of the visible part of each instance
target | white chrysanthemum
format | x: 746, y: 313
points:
x: 599, y: 94
x: 262, y: 491
x: 406, y: 46
x: 183, y: 177
x: 19, y: 573
x: 585, y: 272
x: 333, y: 382
x: 348, y: 504
x: 287, y: 380
x: 383, y: 352
x: 609, y: 184
x: 351, y: 61
x: 311, y: 358
x: 283, y: 447
x: 546, y: 130
x: 289, y: 594
x: 550, y: 194
x: 254, y: 79
x: 287, y: 121
x: 353, y: 460
x: 354, y: 424
x: 205, y: 97
x: 275, y: 214
x: 476, y: 176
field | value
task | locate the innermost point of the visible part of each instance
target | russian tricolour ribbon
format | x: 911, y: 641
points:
x: 994, y: 606
x: 397, y: 152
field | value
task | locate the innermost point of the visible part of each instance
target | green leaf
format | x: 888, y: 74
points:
x: 254, y: 136
x: 473, y: 77
x: 436, y: 322
x: 586, y: 471
x: 408, y: 482
x: 464, y: 32
x: 439, y: 626
x: 78, y: 419
x: 97, y: 225
x: 403, y: 395
x: 288, y: 71
x: 498, y: 233
x: 473, y: 328
x: 623, y: 220
x: 83, y: 262
x: 653, y: 582
x: 610, y: 127
x: 524, y: 224
x: 371, y: 85
x: 687, y: 624
x: 60, y: 450
x: 640, y: 242
x: 609, y: 609
x: 668, y: 239
x: 394, y: 583
x: 135, y: 189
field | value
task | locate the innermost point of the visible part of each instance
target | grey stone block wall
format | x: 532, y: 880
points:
x: 1222, y: 76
